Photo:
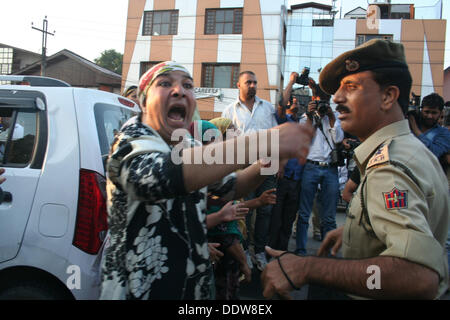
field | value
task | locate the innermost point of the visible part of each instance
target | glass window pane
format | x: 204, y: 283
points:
x: 305, y: 49
x: 317, y: 34
x: 222, y: 76
x: 315, y: 64
x: 156, y: 29
x: 304, y: 62
x: 327, y: 50
x: 147, y: 29
x: 307, y: 20
x: 228, y: 28
x: 166, y: 17
x: 327, y: 34
x: 109, y: 120
x: 229, y: 16
x: 316, y: 49
x: 306, y: 33
x: 235, y: 79
x: 157, y: 17
x: 165, y: 28
x: 219, y: 28
x: 207, y: 81
x: 23, y: 137
x: 293, y: 50
x: 220, y: 16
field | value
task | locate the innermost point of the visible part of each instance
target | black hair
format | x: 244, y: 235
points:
x: 246, y: 72
x: 433, y: 101
x: 398, y: 77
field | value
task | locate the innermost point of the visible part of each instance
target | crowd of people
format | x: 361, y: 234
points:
x: 195, y: 229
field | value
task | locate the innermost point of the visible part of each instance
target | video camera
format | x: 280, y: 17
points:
x: 319, y: 112
x: 341, y: 154
x: 304, y: 77
x: 348, y: 153
x: 446, y: 122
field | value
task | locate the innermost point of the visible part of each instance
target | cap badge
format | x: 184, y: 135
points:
x: 351, y: 65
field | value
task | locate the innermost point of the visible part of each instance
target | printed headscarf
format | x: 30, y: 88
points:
x: 147, y: 79
x: 129, y: 90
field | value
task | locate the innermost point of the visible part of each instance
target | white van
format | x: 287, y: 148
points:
x: 54, y: 140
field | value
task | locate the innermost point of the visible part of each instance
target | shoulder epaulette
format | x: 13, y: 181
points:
x: 380, y: 157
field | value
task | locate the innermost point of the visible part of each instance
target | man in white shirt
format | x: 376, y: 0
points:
x: 249, y: 114
x: 319, y: 168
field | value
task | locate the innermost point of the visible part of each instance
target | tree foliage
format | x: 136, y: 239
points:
x: 111, y: 60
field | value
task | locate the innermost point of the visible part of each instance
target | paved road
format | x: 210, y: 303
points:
x: 253, y: 290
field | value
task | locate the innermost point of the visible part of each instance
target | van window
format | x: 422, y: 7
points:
x: 109, y: 119
x: 17, y: 137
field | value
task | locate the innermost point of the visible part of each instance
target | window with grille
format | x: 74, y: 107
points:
x: 161, y: 22
x: 146, y: 65
x: 220, y: 75
x: 363, y: 38
x: 223, y: 21
x: 323, y: 22
x: 6, y: 60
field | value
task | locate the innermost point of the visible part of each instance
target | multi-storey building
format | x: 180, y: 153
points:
x: 217, y: 39
x: 214, y: 39
x: 315, y: 37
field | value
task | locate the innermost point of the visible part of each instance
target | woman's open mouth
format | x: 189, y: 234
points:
x: 177, y: 115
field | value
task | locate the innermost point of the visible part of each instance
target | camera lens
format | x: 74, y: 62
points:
x: 322, y: 108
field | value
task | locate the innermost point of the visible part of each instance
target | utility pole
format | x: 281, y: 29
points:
x: 44, y: 43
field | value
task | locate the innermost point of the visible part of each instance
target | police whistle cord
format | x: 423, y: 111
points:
x: 284, y: 272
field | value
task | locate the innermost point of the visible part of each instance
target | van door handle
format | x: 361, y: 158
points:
x: 5, y: 196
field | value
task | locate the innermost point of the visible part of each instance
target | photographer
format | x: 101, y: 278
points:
x: 432, y: 135
x: 320, y: 168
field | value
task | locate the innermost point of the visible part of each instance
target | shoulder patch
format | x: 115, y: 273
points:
x: 396, y: 199
x: 379, y: 157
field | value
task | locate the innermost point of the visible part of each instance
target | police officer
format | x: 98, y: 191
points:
x: 396, y: 227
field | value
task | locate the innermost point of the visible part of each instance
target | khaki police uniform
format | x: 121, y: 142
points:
x: 401, y: 207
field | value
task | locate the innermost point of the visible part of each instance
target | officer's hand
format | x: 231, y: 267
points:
x: 332, y: 241
x: 274, y: 281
